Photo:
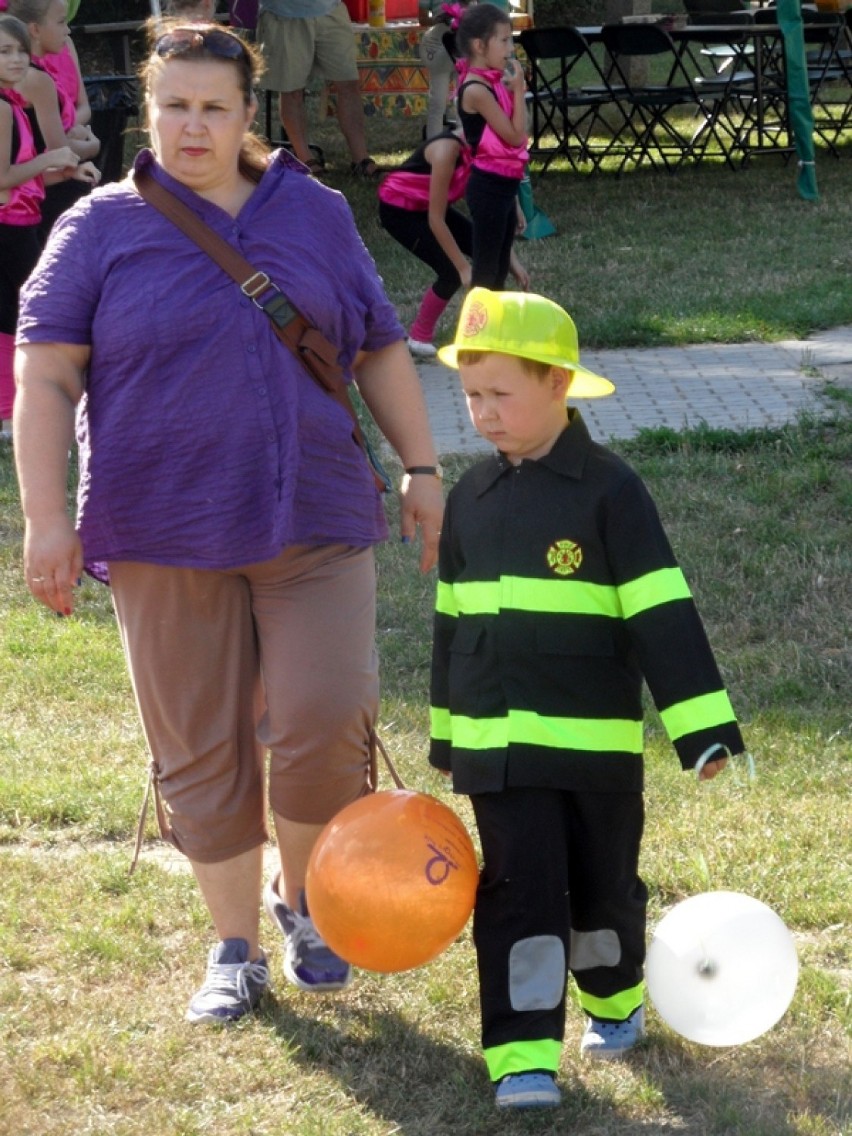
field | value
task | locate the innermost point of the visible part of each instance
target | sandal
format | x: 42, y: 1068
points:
x: 316, y: 166
x: 366, y: 168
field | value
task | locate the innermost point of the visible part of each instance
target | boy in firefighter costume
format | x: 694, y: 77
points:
x: 558, y: 593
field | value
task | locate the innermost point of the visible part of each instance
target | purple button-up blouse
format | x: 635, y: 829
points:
x: 202, y: 441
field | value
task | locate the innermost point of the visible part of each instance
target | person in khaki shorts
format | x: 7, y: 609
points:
x: 295, y: 36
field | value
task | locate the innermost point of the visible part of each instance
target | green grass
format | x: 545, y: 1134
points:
x: 96, y: 966
x: 702, y: 255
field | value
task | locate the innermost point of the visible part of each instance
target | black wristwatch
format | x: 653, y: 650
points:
x: 429, y: 470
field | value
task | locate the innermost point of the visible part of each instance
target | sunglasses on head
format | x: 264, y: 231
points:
x: 182, y: 41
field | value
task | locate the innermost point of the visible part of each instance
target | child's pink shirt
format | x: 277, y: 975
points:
x: 61, y: 66
x: 24, y: 204
x: 493, y: 154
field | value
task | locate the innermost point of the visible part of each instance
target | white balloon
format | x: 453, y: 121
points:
x: 721, y: 968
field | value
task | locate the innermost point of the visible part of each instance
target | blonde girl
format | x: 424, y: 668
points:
x: 57, y: 93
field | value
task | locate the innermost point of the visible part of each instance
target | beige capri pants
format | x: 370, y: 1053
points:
x: 276, y: 656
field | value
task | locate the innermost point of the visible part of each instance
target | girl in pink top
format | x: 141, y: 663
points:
x: 56, y: 90
x: 23, y: 174
x: 493, y: 114
x: 416, y: 207
x: 53, y: 52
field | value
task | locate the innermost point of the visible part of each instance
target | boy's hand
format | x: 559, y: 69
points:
x: 711, y: 768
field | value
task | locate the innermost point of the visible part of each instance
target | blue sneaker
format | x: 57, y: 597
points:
x: 233, y: 986
x: 308, y: 962
x: 527, y: 1090
x: 606, y: 1040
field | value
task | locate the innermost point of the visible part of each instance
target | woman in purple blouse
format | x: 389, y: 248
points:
x: 221, y: 493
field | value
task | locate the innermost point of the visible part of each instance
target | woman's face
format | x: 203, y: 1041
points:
x: 52, y: 33
x: 197, y: 117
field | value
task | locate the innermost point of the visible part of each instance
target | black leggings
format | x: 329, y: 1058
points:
x: 492, y: 201
x: 411, y: 230
x: 19, y: 251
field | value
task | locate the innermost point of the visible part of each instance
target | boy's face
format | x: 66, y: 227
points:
x: 519, y: 413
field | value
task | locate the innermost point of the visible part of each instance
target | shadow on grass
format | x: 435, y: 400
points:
x: 421, y: 1086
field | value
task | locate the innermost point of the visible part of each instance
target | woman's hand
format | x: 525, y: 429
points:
x: 390, y: 387
x: 422, y: 505
x: 53, y: 562
x: 50, y: 383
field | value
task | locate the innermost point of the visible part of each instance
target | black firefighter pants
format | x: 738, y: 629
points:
x: 559, y: 891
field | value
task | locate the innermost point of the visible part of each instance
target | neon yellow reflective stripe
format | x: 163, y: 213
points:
x: 617, y: 1006
x: 654, y: 588
x: 571, y: 596
x: 440, y: 726
x: 701, y: 713
x: 519, y: 593
x: 445, y: 599
x: 522, y: 1056
x: 478, y: 597
x: 537, y: 729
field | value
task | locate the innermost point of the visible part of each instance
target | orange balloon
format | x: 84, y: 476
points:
x: 391, y: 880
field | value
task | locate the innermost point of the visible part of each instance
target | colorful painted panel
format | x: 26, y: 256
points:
x: 393, y: 82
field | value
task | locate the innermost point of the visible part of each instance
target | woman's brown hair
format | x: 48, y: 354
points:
x: 173, y: 39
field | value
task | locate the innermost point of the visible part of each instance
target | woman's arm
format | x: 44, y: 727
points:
x: 442, y: 156
x: 50, y: 384
x: 388, y: 383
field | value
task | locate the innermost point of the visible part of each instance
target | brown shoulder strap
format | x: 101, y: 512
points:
x: 306, y: 342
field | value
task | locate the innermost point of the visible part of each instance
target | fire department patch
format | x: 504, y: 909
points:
x: 564, y: 557
x: 476, y: 319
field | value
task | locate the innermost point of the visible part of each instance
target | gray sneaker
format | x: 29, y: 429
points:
x: 606, y: 1040
x: 308, y: 962
x: 528, y: 1090
x: 233, y: 986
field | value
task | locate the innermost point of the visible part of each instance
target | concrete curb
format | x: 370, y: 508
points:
x: 733, y: 386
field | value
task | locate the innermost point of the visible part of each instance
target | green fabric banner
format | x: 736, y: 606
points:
x: 799, y: 109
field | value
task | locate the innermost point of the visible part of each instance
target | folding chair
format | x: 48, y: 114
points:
x: 720, y: 51
x: 765, y: 121
x: 829, y: 63
x: 651, y: 130
x: 731, y: 84
x: 564, y: 113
